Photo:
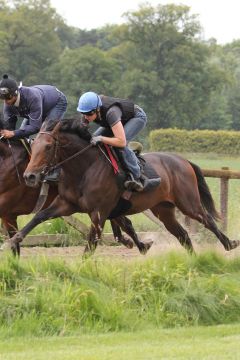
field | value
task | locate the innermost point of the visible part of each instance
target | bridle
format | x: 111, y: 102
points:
x: 52, y: 166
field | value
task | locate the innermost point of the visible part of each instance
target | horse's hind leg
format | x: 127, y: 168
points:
x: 166, y: 214
x: 119, y: 237
x: 126, y: 225
x: 210, y: 224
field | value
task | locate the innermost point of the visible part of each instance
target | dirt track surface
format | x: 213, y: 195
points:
x: 161, y: 244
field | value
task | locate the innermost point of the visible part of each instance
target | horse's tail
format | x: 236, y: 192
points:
x: 205, y: 195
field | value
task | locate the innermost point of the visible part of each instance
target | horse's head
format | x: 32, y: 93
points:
x: 45, y: 154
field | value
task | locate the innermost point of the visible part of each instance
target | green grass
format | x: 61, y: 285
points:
x: 41, y: 297
x: 195, y: 343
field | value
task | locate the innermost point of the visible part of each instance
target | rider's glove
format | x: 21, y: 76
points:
x: 96, y: 140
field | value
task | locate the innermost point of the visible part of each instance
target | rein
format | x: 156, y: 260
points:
x: 70, y: 157
x: 67, y: 159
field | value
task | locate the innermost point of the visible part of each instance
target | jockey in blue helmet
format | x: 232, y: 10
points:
x: 120, y: 121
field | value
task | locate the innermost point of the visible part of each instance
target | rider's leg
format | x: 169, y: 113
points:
x: 57, y: 112
x: 132, y: 128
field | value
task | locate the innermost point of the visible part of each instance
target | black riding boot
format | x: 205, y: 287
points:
x: 132, y: 184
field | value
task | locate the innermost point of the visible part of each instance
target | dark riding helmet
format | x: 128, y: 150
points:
x: 8, y: 88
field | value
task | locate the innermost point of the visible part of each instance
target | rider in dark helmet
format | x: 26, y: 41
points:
x: 120, y: 120
x: 34, y: 104
x: 8, y: 88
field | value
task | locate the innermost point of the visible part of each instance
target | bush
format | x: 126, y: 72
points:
x: 202, y: 141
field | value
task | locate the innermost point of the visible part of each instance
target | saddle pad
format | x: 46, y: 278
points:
x: 147, y: 169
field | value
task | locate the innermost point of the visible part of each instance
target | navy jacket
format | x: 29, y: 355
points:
x: 35, y: 104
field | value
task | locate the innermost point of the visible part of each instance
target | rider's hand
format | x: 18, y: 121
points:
x: 96, y: 140
x: 7, y: 134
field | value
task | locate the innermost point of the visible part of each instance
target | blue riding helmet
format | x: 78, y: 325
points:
x: 89, y: 101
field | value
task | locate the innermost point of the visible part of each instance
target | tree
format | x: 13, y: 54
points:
x: 84, y: 69
x: 167, y: 67
x: 28, y: 39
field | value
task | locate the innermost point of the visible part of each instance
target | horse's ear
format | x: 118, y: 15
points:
x: 56, y: 128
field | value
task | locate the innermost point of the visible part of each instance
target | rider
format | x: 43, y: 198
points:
x: 34, y: 104
x: 120, y: 121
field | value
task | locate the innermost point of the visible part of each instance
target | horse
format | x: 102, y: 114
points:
x: 88, y: 184
x: 16, y: 198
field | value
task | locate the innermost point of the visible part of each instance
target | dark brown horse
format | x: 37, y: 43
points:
x: 16, y: 198
x: 88, y: 184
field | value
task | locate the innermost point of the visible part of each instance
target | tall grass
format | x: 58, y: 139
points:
x: 43, y: 297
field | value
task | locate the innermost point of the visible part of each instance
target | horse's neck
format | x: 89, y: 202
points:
x: 86, y: 158
x: 12, y: 153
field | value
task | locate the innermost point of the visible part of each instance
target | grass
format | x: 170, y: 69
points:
x: 42, y: 297
x: 200, y: 343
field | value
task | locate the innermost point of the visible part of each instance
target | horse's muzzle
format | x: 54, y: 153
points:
x: 32, y: 179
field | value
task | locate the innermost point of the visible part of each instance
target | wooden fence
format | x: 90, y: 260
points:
x: 224, y: 174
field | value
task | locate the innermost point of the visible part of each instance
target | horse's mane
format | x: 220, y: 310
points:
x: 73, y: 126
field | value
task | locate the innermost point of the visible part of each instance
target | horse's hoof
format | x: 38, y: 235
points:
x: 234, y: 244
x: 145, y: 247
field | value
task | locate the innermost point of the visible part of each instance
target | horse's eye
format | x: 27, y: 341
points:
x: 48, y: 147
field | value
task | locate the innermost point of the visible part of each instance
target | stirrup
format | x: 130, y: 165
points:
x: 133, y: 184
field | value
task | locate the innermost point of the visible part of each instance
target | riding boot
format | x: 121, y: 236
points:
x: 133, y: 184
x: 53, y: 176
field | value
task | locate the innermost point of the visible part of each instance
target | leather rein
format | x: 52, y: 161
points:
x: 53, y: 167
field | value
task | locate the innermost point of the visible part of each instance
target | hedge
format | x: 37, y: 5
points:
x: 202, y: 141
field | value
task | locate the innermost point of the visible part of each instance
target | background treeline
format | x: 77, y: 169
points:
x: 156, y: 57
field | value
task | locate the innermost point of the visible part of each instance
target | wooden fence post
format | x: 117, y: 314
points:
x: 224, y: 198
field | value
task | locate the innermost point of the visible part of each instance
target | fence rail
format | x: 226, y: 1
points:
x: 224, y: 174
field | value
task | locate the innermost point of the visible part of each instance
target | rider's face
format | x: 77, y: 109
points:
x: 11, y: 101
x: 91, y: 117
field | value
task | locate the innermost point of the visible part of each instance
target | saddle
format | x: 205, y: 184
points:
x: 148, y: 174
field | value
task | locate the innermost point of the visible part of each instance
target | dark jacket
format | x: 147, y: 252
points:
x: 126, y: 106
x: 35, y: 104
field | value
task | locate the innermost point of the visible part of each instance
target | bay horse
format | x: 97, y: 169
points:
x: 16, y: 198
x: 88, y: 184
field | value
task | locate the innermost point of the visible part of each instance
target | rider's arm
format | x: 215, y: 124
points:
x: 10, y: 117
x: 119, y: 139
x: 35, y: 116
x: 113, y: 118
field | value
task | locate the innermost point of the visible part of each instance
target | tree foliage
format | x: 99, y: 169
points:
x: 156, y: 57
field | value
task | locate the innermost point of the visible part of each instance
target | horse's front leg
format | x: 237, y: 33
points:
x: 95, y: 231
x: 10, y: 225
x: 59, y: 207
